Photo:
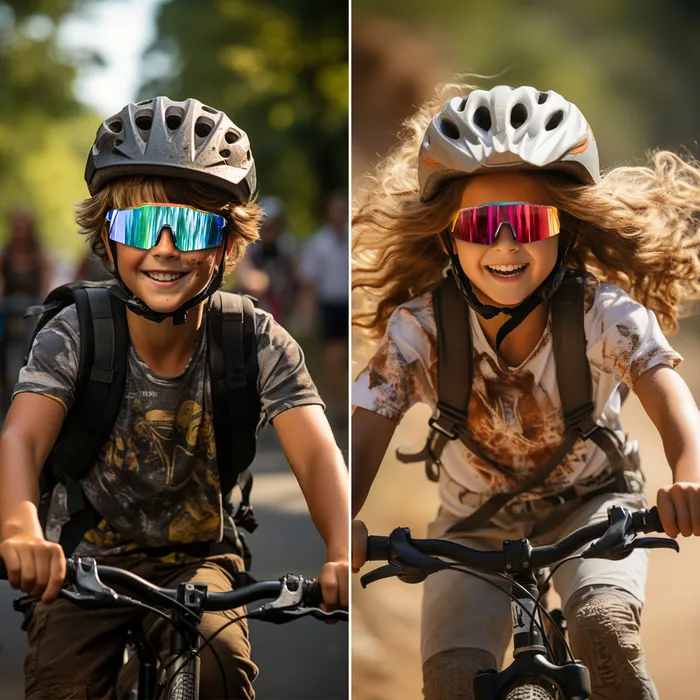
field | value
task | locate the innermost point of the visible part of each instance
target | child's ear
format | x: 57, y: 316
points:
x: 229, y: 244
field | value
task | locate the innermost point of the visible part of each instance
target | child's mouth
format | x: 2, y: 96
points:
x: 165, y: 279
x: 507, y: 272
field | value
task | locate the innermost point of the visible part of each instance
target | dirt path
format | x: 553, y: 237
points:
x: 386, y: 663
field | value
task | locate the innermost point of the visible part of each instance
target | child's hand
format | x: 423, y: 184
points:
x: 359, y: 545
x: 679, y: 508
x: 34, y: 565
x: 334, y: 584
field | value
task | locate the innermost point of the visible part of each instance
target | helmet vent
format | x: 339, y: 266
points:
x: 224, y: 153
x: 116, y: 126
x: 542, y: 98
x: 144, y: 102
x: 203, y: 127
x: 209, y: 109
x: 248, y: 156
x: 518, y: 115
x: 173, y: 118
x: 144, y: 122
x: 449, y: 129
x: 462, y: 105
x: 482, y: 118
x: 554, y: 121
x: 231, y: 137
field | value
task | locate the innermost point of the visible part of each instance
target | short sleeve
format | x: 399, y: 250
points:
x: 624, y: 337
x: 52, y: 367
x: 283, y: 379
x: 401, y: 371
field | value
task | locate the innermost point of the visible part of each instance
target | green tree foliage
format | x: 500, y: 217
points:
x: 44, y: 131
x: 279, y: 69
x: 631, y: 66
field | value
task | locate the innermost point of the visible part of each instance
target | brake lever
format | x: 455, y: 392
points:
x: 405, y: 561
x: 620, y: 539
x: 90, y: 593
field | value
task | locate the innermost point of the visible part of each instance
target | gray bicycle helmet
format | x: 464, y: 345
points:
x: 516, y: 128
x: 177, y: 139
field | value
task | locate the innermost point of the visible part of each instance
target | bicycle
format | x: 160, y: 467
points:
x: 178, y: 678
x: 539, y: 671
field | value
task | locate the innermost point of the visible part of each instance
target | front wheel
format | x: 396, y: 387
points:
x: 530, y: 692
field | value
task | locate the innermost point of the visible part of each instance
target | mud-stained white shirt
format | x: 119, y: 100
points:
x: 515, y: 417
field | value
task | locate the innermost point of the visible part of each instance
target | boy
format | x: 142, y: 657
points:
x: 172, y: 208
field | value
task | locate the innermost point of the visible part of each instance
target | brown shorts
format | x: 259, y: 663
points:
x: 75, y: 653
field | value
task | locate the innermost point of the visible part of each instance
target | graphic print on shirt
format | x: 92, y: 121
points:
x: 149, y: 452
x: 516, y: 424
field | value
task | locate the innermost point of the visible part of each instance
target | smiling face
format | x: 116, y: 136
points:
x: 164, y: 277
x: 506, y: 272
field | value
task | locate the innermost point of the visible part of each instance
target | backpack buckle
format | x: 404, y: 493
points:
x: 581, y: 420
x: 245, y: 518
x: 447, y: 420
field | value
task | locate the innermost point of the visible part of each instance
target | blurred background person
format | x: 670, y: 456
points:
x: 324, y: 273
x: 26, y: 278
x: 268, y: 271
x: 91, y: 268
x: 633, y: 70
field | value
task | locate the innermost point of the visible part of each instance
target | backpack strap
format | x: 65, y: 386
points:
x: 454, y: 376
x: 575, y: 390
x: 102, y: 376
x: 233, y: 368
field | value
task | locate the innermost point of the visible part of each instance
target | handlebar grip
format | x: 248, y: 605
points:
x: 377, y: 548
x: 312, y: 595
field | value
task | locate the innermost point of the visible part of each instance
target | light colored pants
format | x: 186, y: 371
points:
x: 462, y: 614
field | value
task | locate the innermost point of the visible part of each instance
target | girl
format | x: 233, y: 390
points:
x: 504, y: 203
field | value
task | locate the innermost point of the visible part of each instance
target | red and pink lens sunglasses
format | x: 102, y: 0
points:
x: 529, y: 222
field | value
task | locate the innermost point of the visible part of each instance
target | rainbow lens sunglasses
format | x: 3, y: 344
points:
x: 140, y: 227
x: 529, y: 222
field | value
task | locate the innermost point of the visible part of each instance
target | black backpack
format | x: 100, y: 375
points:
x: 104, y: 341
x: 454, y: 377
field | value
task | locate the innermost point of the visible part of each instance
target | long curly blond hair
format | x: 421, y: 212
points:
x: 638, y: 228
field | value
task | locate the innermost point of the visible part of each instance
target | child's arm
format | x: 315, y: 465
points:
x: 371, y: 435
x: 34, y: 565
x: 668, y: 402
x: 317, y: 463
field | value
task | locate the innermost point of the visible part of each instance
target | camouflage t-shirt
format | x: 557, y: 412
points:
x: 156, y: 481
x: 515, y: 417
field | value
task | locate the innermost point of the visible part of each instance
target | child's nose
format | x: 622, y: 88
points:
x: 506, y: 238
x: 165, y: 245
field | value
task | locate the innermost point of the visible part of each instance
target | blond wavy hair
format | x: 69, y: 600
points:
x: 130, y: 191
x: 639, y: 228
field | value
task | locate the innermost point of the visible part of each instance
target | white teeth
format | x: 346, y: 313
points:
x: 505, y: 269
x: 165, y: 276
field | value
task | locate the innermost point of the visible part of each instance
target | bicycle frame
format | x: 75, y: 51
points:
x: 571, y: 678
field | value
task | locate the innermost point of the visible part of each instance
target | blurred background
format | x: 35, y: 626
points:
x: 279, y: 68
x: 632, y: 69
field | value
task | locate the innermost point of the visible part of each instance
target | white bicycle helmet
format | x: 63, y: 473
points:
x: 515, y: 128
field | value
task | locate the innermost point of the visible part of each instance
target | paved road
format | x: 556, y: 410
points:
x: 302, y: 660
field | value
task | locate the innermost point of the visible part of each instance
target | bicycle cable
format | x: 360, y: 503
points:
x: 211, y: 646
x: 552, y: 571
x: 542, y: 610
x: 192, y: 629
x: 512, y: 596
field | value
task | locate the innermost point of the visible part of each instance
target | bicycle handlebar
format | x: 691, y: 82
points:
x: 627, y: 522
x: 91, y: 581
